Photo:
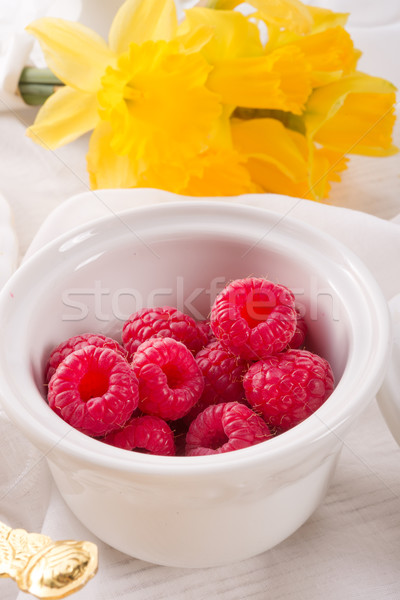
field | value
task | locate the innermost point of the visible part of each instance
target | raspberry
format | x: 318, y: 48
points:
x: 94, y: 390
x: 223, y: 377
x: 299, y: 337
x: 206, y: 333
x: 170, y: 381
x: 162, y: 321
x: 150, y: 434
x: 225, y: 427
x: 254, y: 318
x: 289, y: 387
x: 76, y: 343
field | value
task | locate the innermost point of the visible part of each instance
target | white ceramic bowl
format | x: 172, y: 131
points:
x: 191, y: 511
x: 388, y: 396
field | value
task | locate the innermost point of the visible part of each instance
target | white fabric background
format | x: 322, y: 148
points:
x: 350, y: 548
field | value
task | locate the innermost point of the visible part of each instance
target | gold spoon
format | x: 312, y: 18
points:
x: 44, y: 568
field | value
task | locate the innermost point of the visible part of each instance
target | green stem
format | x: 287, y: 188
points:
x: 35, y: 75
x: 288, y: 119
x: 36, y: 85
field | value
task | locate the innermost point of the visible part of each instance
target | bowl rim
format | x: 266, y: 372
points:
x: 307, y: 433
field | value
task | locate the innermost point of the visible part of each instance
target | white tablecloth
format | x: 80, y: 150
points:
x: 350, y: 548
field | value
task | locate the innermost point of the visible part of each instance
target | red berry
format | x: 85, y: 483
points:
x: 206, y: 333
x: 162, y: 321
x: 76, y: 343
x: 225, y: 427
x: 170, y: 381
x: 299, y: 338
x: 150, y: 434
x: 223, y: 377
x: 94, y: 390
x: 289, y: 387
x: 254, y: 317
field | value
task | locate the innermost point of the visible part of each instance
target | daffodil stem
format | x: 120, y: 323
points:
x: 289, y: 120
x: 35, y: 75
x: 36, y: 85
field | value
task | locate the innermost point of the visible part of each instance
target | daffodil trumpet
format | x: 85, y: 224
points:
x: 219, y: 103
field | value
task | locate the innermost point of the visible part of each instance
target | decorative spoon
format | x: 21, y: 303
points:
x: 44, y: 568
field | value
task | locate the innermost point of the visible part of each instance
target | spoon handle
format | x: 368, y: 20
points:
x: 43, y: 568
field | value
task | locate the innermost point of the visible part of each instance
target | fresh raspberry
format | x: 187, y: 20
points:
x: 162, y: 321
x: 206, y: 333
x: 76, y: 343
x: 145, y: 434
x: 225, y: 427
x: 170, y: 381
x: 254, y: 317
x: 299, y: 338
x: 94, y: 390
x: 223, y: 377
x: 289, y: 387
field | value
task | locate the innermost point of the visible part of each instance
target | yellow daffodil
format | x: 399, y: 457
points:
x: 207, y: 106
x: 79, y: 58
x: 327, y: 48
x: 279, y: 80
x: 353, y: 115
x: 282, y: 161
x: 157, y: 102
x: 330, y: 54
x: 150, y: 88
x: 242, y: 74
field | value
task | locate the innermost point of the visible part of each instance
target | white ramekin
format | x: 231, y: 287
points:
x: 191, y: 511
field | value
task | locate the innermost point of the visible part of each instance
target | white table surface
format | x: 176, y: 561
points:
x: 349, y: 549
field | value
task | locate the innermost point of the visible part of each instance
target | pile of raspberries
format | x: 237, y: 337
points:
x: 176, y: 386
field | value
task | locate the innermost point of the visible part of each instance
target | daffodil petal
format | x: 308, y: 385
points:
x: 267, y: 140
x: 270, y: 179
x: 106, y: 168
x: 353, y: 115
x: 222, y: 174
x: 278, y: 81
x: 220, y: 136
x: 337, y: 162
x: 142, y: 20
x: 194, y: 39
x: 234, y: 35
x: 324, y: 102
x: 64, y: 117
x: 292, y: 15
x: 363, y: 125
x: 323, y: 18
x: 224, y: 4
x: 324, y: 166
x: 76, y: 54
x: 330, y: 53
